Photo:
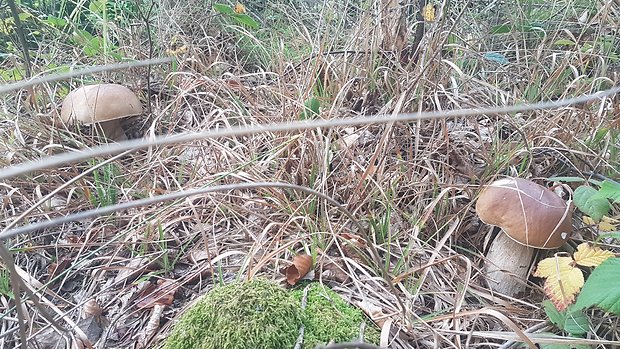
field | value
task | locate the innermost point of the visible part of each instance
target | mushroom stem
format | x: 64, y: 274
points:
x: 507, y: 265
x: 112, y: 129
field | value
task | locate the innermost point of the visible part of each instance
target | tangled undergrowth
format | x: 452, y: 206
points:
x: 124, y: 278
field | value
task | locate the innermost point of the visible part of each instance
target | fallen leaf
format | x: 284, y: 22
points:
x: 374, y: 312
x: 334, y: 272
x: 607, y: 224
x: 591, y: 256
x: 428, y: 12
x: 92, y: 308
x: 587, y: 220
x: 302, y: 264
x: 198, y: 256
x: 152, y: 326
x: 54, y: 269
x: 92, y: 326
x: 563, y: 280
x: 239, y: 8
x: 354, y: 239
x: 160, y: 294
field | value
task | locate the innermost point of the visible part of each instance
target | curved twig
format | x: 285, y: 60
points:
x: 136, y: 144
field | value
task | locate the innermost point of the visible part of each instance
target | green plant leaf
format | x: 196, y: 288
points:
x: 602, y: 289
x: 572, y: 320
x: 564, y: 42
x: 24, y: 16
x: 586, y: 47
x: 567, y: 179
x: 496, y: 57
x: 576, y: 322
x: 311, y: 109
x: 611, y: 234
x: 97, y: 6
x: 501, y: 29
x: 556, y: 317
x: 610, y: 190
x: 591, y: 202
x: 55, y: 22
x: 245, y: 20
x: 224, y: 9
x: 598, y: 136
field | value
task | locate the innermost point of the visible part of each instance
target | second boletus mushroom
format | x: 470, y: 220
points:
x: 102, y: 106
x: 532, y: 217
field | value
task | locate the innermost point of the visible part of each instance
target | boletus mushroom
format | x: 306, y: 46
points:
x: 531, y: 217
x: 101, y: 106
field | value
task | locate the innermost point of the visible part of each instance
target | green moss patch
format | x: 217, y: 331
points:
x: 328, y: 317
x: 255, y: 314
x: 261, y: 314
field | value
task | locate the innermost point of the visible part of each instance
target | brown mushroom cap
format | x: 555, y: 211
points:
x: 97, y: 103
x: 529, y: 213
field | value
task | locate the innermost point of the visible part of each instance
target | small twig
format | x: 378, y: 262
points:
x: 21, y: 36
x: 146, y: 18
x: 172, y: 196
x: 532, y: 329
x: 16, y: 283
x: 304, y: 302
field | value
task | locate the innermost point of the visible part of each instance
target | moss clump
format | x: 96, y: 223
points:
x: 254, y: 314
x: 328, y: 317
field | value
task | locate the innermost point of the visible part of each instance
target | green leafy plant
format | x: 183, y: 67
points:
x: 237, y: 14
x: 572, y: 321
x: 565, y: 280
x: 311, y: 109
x: 597, y: 203
x: 106, y: 180
x: 601, y: 290
x: 5, y: 286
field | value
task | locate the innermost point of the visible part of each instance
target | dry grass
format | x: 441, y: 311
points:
x: 410, y: 186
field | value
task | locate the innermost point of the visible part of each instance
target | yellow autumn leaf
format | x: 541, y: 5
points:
x: 607, y: 224
x: 551, y: 266
x: 239, y: 8
x: 590, y: 256
x: 428, y: 12
x: 563, y: 280
x: 177, y: 51
x: 587, y: 220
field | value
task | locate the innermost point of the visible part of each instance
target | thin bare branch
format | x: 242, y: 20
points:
x: 96, y: 69
x: 136, y: 144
